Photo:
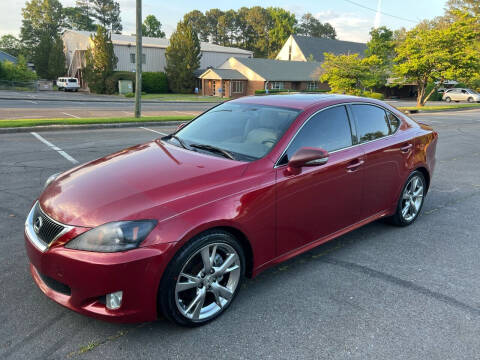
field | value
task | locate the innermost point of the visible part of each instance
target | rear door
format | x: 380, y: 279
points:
x: 323, y: 199
x: 386, y: 151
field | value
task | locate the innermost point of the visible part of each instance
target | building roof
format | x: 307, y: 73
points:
x: 130, y: 40
x: 7, y: 57
x: 280, y: 70
x: 317, y: 46
x: 226, y: 74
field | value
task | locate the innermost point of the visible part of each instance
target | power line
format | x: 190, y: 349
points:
x: 381, y: 12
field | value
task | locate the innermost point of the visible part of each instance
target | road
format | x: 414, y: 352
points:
x: 379, y: 292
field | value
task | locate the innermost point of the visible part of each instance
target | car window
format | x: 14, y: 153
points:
x: 248, y: 131
x: 329, y: 129
x: 394, y: 122
x: 464, y: 91
x: 372, y: 122
x: 72, y: 80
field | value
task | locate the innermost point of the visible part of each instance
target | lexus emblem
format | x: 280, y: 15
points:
x: 37, y: 224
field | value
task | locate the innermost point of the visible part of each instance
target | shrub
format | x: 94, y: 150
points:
x: 436, y: 96
x: 154, y: 82
x: 129, y: 95
x: 373, y: 95
x: 111, y: 84
x: 270, y: 91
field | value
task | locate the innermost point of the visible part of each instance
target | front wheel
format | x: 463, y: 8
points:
x: 470, y: 100
x: 411, y: 200
x: 447, y: 99
x: 202, y: 280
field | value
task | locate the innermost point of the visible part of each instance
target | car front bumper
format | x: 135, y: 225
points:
x: 80, y: 280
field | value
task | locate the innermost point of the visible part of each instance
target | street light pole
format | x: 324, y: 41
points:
x: 138, y: 62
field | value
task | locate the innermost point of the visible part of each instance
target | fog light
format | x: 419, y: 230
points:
x: 114, y: 300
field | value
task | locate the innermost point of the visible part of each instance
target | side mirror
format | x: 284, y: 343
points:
x: 307, y: 156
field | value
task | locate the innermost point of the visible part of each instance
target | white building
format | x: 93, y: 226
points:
x: 76, y: 44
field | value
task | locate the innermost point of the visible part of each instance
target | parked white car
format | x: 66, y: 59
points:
x: 459, y: 94
x: 68, y: 84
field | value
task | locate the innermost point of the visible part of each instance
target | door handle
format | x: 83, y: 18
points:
x: 354, y: 166
x: 406, y: 148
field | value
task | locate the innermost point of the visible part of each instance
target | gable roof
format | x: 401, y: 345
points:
x: 226, y: 74
x: 279, y: 70
x: 7, y: 57
x: 318, y: 46
x: 129, y: 40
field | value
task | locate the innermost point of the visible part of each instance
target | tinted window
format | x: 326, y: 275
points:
x: 394, y: 122
x: 372, y: 122
x: 329, y: 130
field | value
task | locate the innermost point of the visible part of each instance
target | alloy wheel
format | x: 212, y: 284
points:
x: 412, y: 198
x: 207, y: 281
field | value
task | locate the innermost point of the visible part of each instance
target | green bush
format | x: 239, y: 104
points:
x: 16, y: 72
x: 154, y: 82
x: 373, y: 95
x: 270, y: 91
x: 315, y: 91
x: 436, y: 96
x: 111, y: 84
x: 129, y: 95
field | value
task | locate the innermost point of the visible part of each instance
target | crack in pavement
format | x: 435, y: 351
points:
x: 451, y: 301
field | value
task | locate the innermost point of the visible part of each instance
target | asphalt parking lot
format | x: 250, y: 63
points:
x: 379, y: 292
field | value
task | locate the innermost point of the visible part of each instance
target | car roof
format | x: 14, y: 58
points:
x: 300, y: 101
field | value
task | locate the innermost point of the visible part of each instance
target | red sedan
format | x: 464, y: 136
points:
x: 172, y: 226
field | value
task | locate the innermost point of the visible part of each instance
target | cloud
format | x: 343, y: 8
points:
x: 349, y: 26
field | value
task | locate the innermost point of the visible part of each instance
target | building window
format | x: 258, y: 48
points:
x: 237, y: 86
x: 312, y: 85
x: 132, y: 59
x: 277, y: 85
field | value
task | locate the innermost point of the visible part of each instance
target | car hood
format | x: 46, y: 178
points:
x: 153, y: 180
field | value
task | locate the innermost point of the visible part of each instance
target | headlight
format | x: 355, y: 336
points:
x: 114, y: 236
x: 50, y: 179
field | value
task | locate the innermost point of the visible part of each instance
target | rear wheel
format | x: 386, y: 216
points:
x: 202, y: 280
x: 411, y: 200
x: 470, y: 100
x: 447, y: 99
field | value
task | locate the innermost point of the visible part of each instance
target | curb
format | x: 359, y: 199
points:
x: 418, y: 111
x: 114, y: 101
x: 13, y: 130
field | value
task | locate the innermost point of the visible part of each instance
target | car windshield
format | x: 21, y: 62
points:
x: 244, y: 132
x: 473, y: 92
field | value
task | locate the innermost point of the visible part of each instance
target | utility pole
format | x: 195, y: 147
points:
x: 138, y: 63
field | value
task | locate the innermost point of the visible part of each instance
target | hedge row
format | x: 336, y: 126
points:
x: 152, y: 82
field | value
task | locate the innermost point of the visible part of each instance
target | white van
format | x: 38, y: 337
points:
x: 68, y: 84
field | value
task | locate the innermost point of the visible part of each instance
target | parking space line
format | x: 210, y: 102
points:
x: 74, y: 116
x: 155, y: 131
x: 56, y: 148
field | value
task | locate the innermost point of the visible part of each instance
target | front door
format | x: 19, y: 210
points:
x: 324, y: 199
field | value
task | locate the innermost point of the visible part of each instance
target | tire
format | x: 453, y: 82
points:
x: 447, y: 99
x: 470, y: 100
x: 400, y: 218
x: 180, y: 297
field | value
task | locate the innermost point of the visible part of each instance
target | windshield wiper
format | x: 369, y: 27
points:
x: 214, y: 149
x: 180, y: 141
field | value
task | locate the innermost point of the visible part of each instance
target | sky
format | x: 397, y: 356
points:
x: 349, y: 17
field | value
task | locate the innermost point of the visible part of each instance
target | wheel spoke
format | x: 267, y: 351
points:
x: 217, y: 297
x: 197, y: 304
x: 212, y: 257
x: 222, y: 291
x: 418, y: 192
x: 191, y: 283
x: 226, y: 264
x: 207, y: 265
x: 406, y: 196
x: 230, y: 269
x: 405, y: 209
x: 414, y: 184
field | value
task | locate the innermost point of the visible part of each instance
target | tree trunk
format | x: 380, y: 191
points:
x: 421, y: 92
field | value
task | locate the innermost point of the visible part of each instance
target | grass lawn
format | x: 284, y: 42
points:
x: 440, y: 107
x: 83, y: 121
x: 182, y: 97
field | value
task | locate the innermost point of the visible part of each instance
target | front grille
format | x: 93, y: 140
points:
x: 46, y: 229
x: 54, y: 284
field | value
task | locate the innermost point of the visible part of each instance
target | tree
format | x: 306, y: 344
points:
x: 311, y: 26
x: 11, y: 45
x: 49, y: 58
x: 107, y: 13
x: 211, y: 24
x: 41, y: 18
x: 433, y: 52
x: 257, y: 38
x: 183, y: 58
x: 198, y: 21
x: 382, y: 44
x: 282, y: 26
x: 100, y: 61
x: 78, y: 18
x: 151, y: 27
x: 16, y: 72
x: 455, y: 8
x: 350, y: 74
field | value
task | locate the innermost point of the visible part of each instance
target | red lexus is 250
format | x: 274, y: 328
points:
x: 173, y: 226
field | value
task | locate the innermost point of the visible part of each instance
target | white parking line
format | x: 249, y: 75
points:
x: 155, y: 131
x: 56, y: 148
x: 74, y: 116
